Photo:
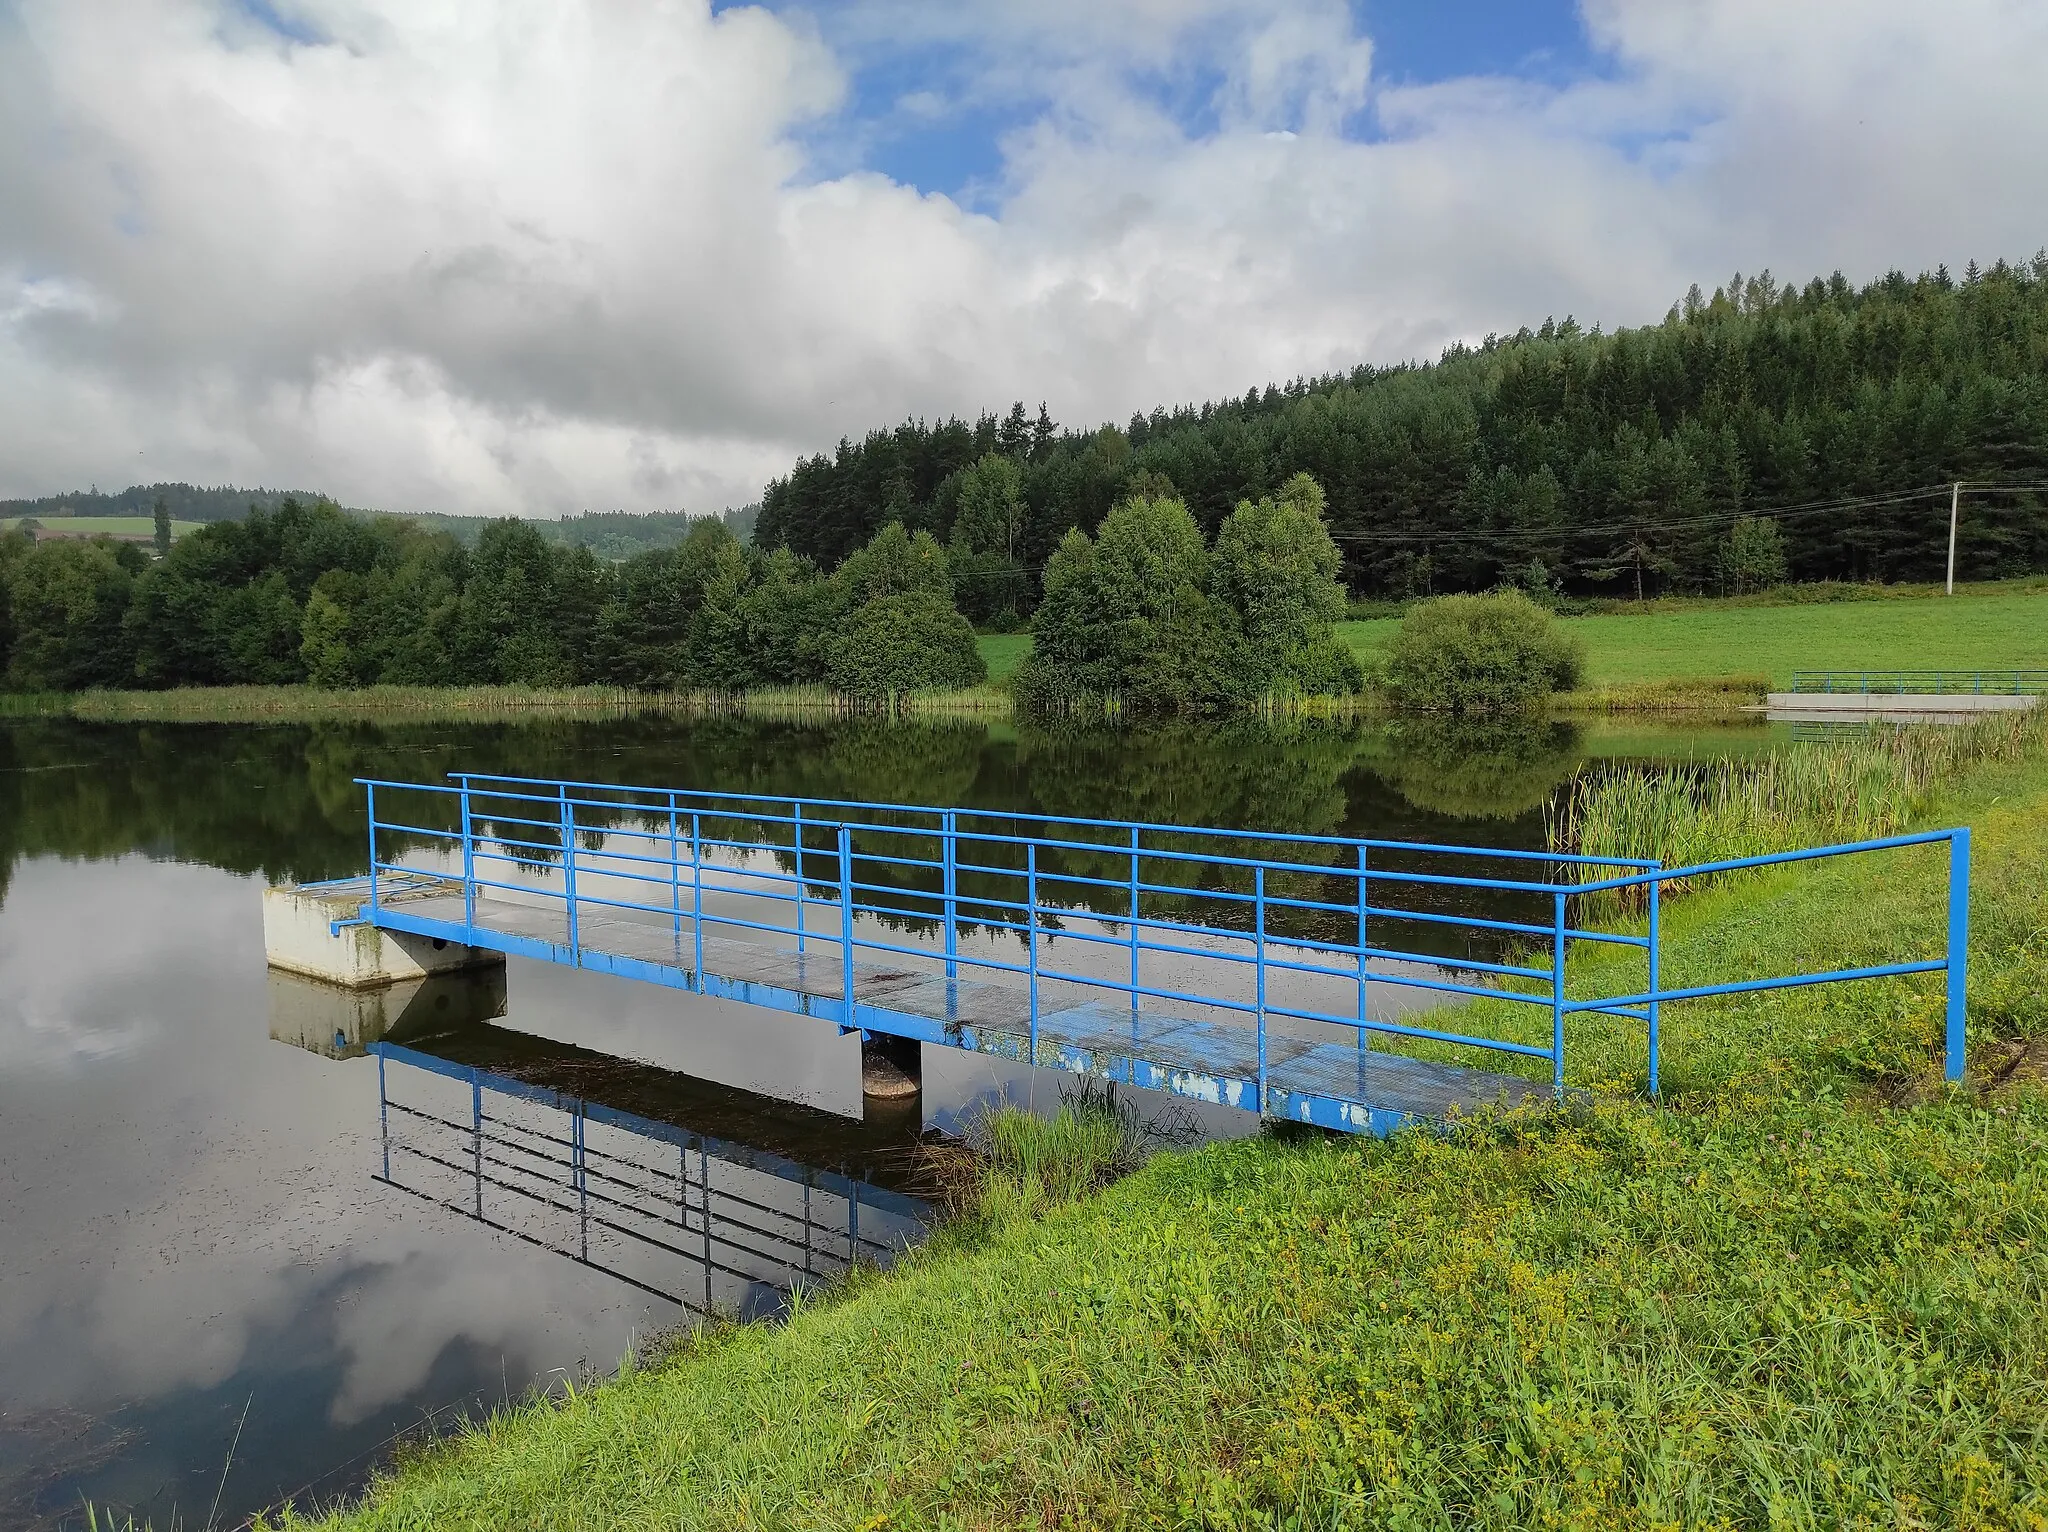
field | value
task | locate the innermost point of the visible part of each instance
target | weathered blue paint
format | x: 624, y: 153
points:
x: 1046, y: 882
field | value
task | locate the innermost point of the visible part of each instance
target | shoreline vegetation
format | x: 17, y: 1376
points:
x: 1720, y: 643
x: 1706, y: 657
x: 1805, y: 1290
x: 1708, y: 697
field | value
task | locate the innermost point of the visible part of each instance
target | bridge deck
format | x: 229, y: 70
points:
x: 1206, y: 1058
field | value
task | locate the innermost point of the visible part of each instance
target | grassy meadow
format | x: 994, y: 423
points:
x: 1706, y: 652
x: 1003, y: 652
x: 1811, y: 1291
x: 1912, y: 628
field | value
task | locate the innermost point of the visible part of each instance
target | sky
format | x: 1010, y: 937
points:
x: 544, y: 256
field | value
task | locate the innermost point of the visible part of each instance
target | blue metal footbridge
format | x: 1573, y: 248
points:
x: 1310, y: 978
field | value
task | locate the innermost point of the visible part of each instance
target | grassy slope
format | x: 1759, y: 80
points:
x: 1780, y: 1303
x: 1994, y: 627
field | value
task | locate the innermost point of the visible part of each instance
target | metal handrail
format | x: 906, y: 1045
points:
x: 744, y: 855
x: 1921, y: 683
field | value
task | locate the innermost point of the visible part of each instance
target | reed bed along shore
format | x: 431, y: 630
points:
x: 1869, y: 784
x: 1673, y: 694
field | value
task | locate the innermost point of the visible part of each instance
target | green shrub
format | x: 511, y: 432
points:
x: 1491, y: 653
x: 906, y: 643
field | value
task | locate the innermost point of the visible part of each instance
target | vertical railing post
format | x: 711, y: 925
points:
x: 1364, y: 905
x: 697, y: 895
x: 370, y: 804
x: 797, y: 833
x: 576, y: 1121
x: 468, y: 871
x: 1958, y: 947
x: 1557, y: 996
x: 569, y: 872
x: 704, y: 1211
x: 1031, y: 935
x: 675, y: 872
x: 950, y: 828
x: 1136, y: 944
x: 1655, y: 983
x: 846, y: 921
x: 476, y: 1133
x: 1259, y: 931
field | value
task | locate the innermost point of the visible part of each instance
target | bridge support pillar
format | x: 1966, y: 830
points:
x: 300, y: 936
x: 891, y: 1068
x: 341, y: 1023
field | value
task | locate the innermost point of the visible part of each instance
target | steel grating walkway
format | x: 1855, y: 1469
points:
x: 1338, y: 1085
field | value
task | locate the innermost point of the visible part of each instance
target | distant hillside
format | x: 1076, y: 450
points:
x: 610, y: 535
x: 185, y: 502
x: 1619, y: 462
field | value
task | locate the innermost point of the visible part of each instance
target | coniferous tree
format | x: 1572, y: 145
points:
x: 1606, y: 456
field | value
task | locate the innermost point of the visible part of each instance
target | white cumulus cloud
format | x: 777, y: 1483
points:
x: 543, y: 255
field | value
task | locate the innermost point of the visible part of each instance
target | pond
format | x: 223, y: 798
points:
x: 242, y: 1254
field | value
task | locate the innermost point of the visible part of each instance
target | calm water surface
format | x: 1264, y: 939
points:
x: 237, y: 1255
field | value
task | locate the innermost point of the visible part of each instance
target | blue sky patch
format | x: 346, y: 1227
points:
x: 916, y: 114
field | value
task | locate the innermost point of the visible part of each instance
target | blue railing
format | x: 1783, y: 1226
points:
x: 1157, y: 901
x: 1921, y: 683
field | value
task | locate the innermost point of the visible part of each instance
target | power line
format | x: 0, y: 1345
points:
x: 1719, y: 518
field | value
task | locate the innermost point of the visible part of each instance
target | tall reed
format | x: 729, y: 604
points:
x: 1874, y: 783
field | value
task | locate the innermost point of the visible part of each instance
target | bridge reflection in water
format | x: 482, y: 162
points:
x: 707, y: 1223
x: 712, y: 1197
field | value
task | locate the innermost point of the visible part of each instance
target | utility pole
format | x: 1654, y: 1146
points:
x: 1955, y: 497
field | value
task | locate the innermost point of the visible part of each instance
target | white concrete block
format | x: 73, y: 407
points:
x: 340, y: 1023
x: 1896, y: 707
x: 299, y: 935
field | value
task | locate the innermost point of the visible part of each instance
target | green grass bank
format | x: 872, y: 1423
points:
x: 1709, y: 654
x: 1908, y: 628
x: 1807, y: 1292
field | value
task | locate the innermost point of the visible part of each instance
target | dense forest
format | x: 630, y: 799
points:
x: 1554, y: 456
x: 311, y: 593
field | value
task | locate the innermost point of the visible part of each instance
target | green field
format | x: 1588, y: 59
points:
x: 112, y: 526
x: 1989, y: 626
x: 1004, y: 652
